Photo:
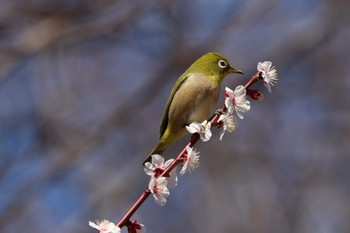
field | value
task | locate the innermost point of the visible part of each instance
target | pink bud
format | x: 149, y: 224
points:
x: 134, y: 227
x: 255, y: 95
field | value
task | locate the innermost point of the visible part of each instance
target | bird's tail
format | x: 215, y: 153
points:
x: 159, y: 148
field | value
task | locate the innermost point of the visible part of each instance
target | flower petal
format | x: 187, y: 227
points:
x: 158, y: 187
x: 105, y: 226
x: 157, y: 160
x: 191, y: 161
x: 229, y: 123
x: 237, y: 101
x: 149, y: 168
x: 269, y: 73
x: 172, y: 179
x: 203, y: 129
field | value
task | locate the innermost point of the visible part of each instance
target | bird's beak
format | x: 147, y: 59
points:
x: 236, y: 71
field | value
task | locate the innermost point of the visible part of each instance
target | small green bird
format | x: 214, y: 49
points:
x: 192, y: 98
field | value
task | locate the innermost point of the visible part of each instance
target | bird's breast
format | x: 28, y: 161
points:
x: 204, y: 104
x: 194, y: 100
x: 206, y: 93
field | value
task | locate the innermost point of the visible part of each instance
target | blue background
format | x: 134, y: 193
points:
x: 82, y: 89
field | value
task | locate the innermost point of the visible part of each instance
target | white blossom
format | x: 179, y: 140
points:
x: 158, y: 166
x: 203, y: 129
x: 229, y: 123
x: 191, y: 160
x: 269, y: 74
x: 105, y: 226
x: 237, y: 100
x: 158, y: 187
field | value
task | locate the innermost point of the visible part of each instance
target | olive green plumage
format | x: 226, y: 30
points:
x: 192, y: 98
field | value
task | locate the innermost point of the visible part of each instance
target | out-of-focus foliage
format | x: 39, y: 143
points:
x: 82, y: 89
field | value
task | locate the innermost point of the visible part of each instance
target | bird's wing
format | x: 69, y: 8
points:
x: 165, y: 118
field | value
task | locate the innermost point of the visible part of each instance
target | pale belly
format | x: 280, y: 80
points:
x: 203, y: 106
x: 194, y: 102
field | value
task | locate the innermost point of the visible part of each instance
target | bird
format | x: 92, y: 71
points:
x: 192, y: 98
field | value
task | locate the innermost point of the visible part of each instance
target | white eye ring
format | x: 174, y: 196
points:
x: 222, y: 64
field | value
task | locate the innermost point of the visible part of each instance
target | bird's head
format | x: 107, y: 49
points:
x: 214, y: 64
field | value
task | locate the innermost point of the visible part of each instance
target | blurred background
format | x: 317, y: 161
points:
x: 83, y: 85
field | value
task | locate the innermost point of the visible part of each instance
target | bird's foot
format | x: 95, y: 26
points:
x: 219, y: 112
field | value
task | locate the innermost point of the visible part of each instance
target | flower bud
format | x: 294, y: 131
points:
x: 255, y: 95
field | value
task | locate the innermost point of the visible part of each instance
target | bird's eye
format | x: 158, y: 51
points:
x: 222, y: 64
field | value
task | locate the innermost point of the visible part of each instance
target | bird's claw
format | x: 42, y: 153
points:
x: 219, y: 112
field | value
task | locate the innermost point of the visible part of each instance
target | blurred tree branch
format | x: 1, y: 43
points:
x: 47, y: 29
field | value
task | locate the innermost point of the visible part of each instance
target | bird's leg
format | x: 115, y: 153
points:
x: 219, y: 111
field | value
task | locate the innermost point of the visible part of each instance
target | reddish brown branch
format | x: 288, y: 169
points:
x: 126, y: 218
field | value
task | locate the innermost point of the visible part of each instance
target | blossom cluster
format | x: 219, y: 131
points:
x: 159, y: 185
x: 163, y: 174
